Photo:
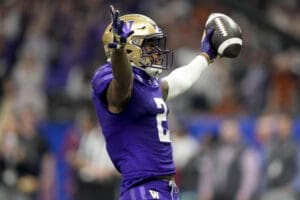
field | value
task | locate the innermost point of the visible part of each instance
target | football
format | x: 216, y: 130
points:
x: 227, y: 36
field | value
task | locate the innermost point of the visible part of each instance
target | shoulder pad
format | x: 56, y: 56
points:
x: 102, y: 77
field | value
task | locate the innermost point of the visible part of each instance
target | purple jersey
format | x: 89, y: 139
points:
x: 137, y: 139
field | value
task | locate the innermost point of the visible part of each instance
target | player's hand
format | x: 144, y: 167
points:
x: 206, y: 46
x: 121, y: 31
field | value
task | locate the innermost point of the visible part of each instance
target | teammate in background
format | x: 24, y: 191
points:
x: 129, y: 99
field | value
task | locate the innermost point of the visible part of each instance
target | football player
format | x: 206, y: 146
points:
x: 129, y: 99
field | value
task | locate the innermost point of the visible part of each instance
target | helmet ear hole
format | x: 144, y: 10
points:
x: 128, y: 51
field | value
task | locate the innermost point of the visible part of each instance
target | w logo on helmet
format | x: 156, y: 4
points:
x: 127, y: 27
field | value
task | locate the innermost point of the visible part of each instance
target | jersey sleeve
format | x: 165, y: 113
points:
x: 101, y: 79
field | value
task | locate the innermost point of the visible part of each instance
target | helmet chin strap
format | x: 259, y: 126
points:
x: 154, y: 71
x: 151, y: 71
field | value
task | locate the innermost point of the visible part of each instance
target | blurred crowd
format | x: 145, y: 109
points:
x: 49, y: 50
x: 223, y: 165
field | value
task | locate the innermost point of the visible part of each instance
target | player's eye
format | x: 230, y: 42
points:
x: 149, y: 44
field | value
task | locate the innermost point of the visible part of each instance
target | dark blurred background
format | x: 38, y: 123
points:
x: 236, y: 132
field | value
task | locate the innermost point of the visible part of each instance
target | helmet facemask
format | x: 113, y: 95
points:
x: 155, y: 54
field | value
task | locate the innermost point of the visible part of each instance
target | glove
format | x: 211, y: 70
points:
x: 120, y: 30
x: 206, y: 46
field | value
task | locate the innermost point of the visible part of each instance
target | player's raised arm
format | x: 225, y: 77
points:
x: 184, y: 77
x: 222, y: 36
x: 119, y: 90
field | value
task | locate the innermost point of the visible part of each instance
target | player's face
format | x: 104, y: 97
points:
x: 151, y: 48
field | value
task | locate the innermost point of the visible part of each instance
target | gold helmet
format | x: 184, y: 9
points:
x: 146, y: 34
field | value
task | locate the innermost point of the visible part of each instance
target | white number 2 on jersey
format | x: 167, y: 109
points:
x: 163, y: 132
